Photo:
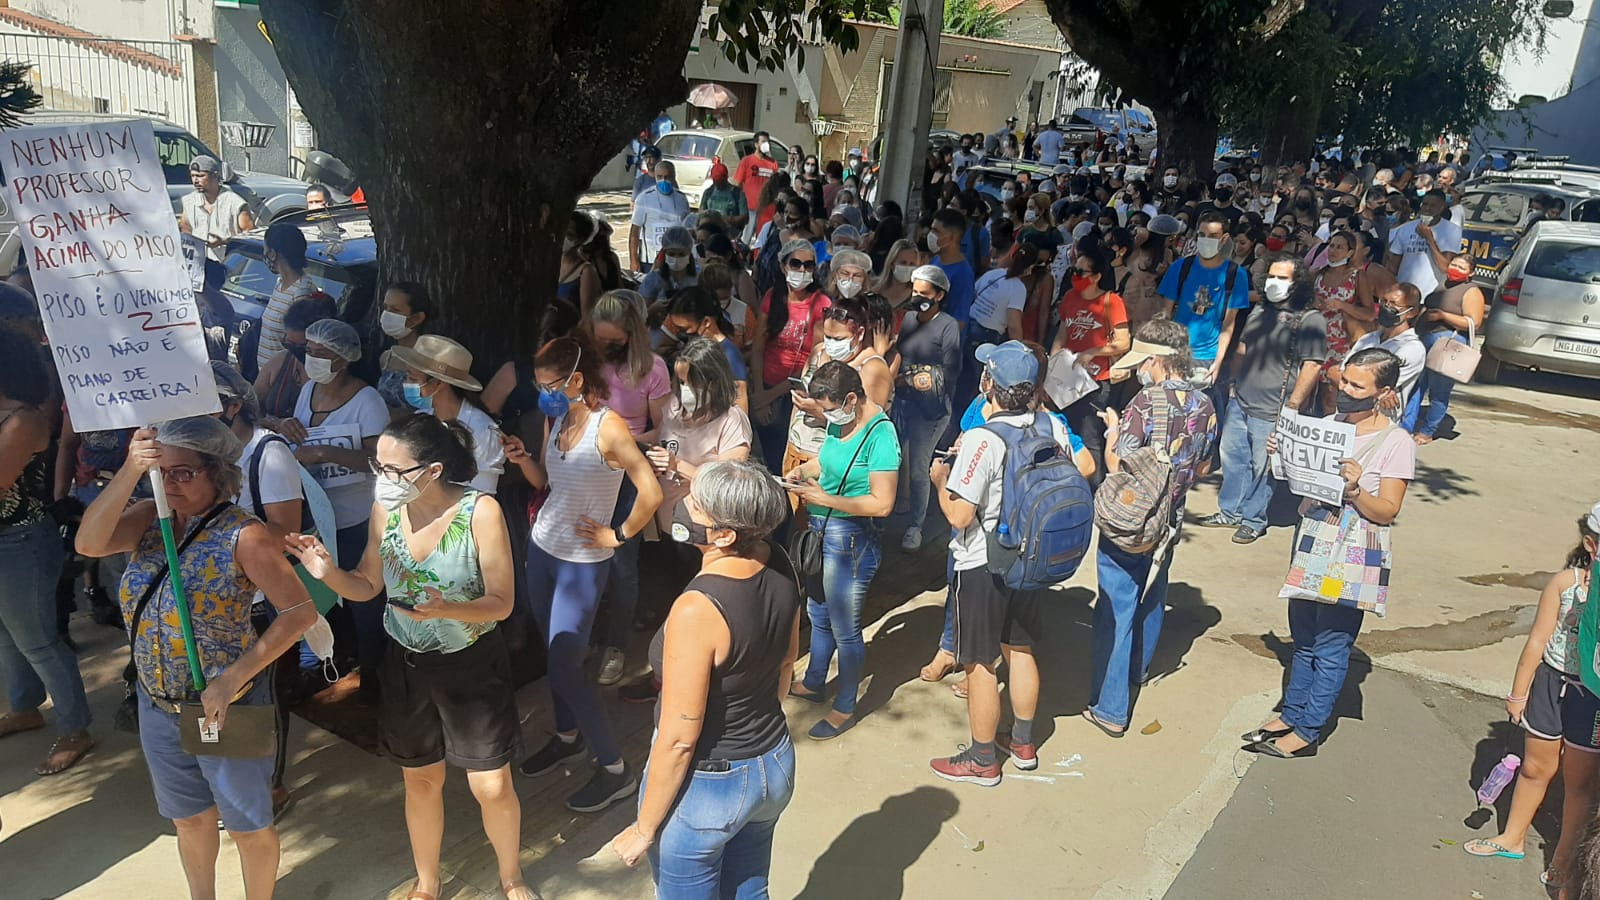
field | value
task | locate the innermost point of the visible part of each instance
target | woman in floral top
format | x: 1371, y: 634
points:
x: 441, y: 552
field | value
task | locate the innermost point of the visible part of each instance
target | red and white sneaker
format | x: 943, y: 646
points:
x: 964, y: 766
x: 1023, y: 756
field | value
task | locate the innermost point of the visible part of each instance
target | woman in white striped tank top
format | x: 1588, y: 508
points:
x: 586, y: 452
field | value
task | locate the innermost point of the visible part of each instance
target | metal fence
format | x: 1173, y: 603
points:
x: 105, y: 75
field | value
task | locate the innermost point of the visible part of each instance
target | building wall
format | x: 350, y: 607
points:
x: 139, y: 79
x: 1029, y: 23
x: 251, y: 88
x: 139, y: 20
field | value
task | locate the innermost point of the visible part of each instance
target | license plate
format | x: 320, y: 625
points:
x: 1581, y: 348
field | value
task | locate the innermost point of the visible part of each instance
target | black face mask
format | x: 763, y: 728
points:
x: 616, y: 352
x: 686, y: 530
x: 1348, y: 404
x: 923, y: 306
x: 1389, y: 318
x: 298, y: 351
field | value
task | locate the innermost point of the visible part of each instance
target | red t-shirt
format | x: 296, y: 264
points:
x: 1086, y: 323
x: 752, y: 175
x: 789, y: 349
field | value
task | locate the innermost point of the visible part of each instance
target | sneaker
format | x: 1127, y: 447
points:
x: 1217, y: 520
x: 603, y: 790
x: 1023, y: 756
x: 645, y: 690
x: 965, y: 767
x: 611, y: 664
x: 912, y: 540
x: 552, y: 755
x: 1247, y: 535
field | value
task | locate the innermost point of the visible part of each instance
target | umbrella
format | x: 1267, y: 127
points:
x: 712, y: 96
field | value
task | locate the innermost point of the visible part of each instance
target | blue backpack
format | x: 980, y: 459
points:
x: 1046, y: 509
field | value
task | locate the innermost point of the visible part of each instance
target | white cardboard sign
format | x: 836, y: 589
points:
x: 102, y: 245
x: 342, y: 437
x: 1309, y: 450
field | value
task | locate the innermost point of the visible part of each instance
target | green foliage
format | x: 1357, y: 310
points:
x: 17, y: 95
x: 967, y: 18
x: 762, y: 34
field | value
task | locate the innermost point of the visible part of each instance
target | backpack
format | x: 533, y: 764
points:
x: 1046, y: 509
x: 1133, y: 506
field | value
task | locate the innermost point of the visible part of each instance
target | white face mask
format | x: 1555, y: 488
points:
x: 798, y: 280
x: 319, y: 370
x: 1145, y: 378
x: 677, y: 263
x: 933, y: 242
x: 1030, y: 215
x: 766, y: 149
x: 903, y: 273
x: 840, y: 416
x: 838, y: 348
x: 848, y: 287
x: 393, y: 324
x: 391, y: 495
x: 1007, y: 194
x: 1255, y: 176
x: 1169, y: 181
x: 687, y: 399
x: 1276, y: 290
x: 1208, y: 247
x: 811, y: 168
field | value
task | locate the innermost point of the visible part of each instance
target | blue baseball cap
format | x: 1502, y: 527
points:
x: 1009, y: 364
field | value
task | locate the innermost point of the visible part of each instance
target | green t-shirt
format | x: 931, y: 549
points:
x: 881, y: 454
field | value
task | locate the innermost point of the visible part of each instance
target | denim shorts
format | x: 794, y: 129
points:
x: 185, y: 785
x: 1580, y: 718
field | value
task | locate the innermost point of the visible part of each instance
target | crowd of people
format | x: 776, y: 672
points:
x: 773, y: 382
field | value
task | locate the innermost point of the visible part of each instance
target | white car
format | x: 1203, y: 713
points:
x: 692, y: 151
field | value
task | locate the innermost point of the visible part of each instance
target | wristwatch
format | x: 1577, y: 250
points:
x: 621, y: 538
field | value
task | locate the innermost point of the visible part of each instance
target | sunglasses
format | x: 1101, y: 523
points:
x: 802, y: 265
x: 180, y: 474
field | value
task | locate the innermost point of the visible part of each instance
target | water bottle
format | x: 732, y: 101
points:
x: 1506, y: 770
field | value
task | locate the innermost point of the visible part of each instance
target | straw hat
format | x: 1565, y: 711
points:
x: 440, y: 357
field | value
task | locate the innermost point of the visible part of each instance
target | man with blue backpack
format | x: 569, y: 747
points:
x: 1022, y: 514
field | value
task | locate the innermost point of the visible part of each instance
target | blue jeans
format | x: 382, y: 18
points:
x: 1323, y: 635
x: 565, y: 597
x: 1127, y: 624
x: 849, y: 560
x: 774, y: 436
x: 34, y: 660
x: 919, y: 437
x: 1246, y: 477
x: 718, y: 841
x: 1413, y: 406
x: 1439, y: 387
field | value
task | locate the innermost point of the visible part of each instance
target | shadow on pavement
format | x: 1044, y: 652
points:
x: 1504, y: 737
x: 870, y: 857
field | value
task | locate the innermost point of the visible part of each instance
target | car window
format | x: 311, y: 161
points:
x: 1562, y: 260
x: 1495, y: 209
x: 333, y: 281
x: 1587, y: 211
x: 248, y: 277
x: 176, y: 151
x: 688, y: 146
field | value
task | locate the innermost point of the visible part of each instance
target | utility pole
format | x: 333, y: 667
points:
x: 905, y: 143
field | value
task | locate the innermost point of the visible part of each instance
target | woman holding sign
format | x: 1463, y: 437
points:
x: 1327, y: 592
x: 224, y: 556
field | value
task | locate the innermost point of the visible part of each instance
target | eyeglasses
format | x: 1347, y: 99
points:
x: 393, y: 473
x: 1087, y: 273
x: 556, y: 385
x: 180, y: 474
x: 802, y: 265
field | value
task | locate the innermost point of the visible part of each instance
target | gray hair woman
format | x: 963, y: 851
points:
x: 848, y: 273
x: 227, y: 556
x: 722, y: 742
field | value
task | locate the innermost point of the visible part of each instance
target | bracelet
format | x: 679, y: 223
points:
x: 1512, y: 699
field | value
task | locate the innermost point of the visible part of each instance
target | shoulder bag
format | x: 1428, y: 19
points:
x: 1453, y: 359
x: 805, y: 547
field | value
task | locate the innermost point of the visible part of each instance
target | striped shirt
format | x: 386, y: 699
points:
x: 581, y: 484
x: 272, y: 318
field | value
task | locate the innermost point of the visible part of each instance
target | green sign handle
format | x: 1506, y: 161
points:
x: 175, y: 576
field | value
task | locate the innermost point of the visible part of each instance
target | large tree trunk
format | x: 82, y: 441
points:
x: 474, y: 133
x: 1293, y: 125
x: 1188, y: 135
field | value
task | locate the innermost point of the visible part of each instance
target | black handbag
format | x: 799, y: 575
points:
x: 805, y: 547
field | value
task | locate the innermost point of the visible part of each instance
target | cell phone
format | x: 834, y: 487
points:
x: 797, y: 384
x: 945, y: 453
x: 402, y: 604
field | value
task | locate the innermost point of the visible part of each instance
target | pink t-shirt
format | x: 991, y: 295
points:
x: 697, y: 443
x: 790, y: 349
x: 1396, y: 457
x: 632, y: 401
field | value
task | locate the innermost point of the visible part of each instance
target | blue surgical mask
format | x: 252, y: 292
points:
x: 554, y: 402
x: 664, y: 187
x: 414, y: 398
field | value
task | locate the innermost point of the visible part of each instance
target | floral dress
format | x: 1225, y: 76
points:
x: 450, y: 574
x: 1338, y: 332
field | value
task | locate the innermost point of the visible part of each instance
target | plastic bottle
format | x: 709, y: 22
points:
x: 1506, y: 770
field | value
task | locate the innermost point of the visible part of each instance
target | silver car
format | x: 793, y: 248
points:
x: 692, y: 152
x: 1546, y: 310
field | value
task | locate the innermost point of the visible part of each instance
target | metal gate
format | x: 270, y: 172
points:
x: 105, y: 75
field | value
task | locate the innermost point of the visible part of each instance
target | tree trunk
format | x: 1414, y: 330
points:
x: 474, y: 133
x: 1188, y: 136
x: 1294, y: 123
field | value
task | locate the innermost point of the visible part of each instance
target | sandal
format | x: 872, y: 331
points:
x: 17, y: 723
x: 1550, y: 878
x: 959, y: 689
x: 65, y: 753
x: 527, y: 892
x: 1096, y: 721
x: 1488, y: 849
x: 935, y: 671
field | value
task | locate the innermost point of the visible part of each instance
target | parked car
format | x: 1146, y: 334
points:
x: 1496, y: 208
x: 1089, y: 122
x: 341, y: 258
x: 1545, y: 312
x: 267, y: 196
x: 692, y: 151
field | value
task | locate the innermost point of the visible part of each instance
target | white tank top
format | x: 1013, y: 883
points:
x: 581, y: 484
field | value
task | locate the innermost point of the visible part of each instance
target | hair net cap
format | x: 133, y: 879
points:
x: 677, y: 238
x: 232, y: 386
x: 205, y: 435
x: 337, y: 336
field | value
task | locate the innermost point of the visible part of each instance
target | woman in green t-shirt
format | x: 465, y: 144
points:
x: 850, y: 485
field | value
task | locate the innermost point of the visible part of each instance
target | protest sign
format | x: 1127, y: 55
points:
x: 101, y: 242
x: 1309, y: 450
x: 343, y: 437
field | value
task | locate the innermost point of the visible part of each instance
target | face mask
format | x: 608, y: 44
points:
x: 1388, y: 317
x: 1208, y: 247
x: 665, y: 187
x: 811, y: 168
x: 1349, y: 404
x: 766, y: 148
x: 1391, y: 218
x: 903, y: 273
x: 1145, y: 378
x: 840, y: 416
x: 1255, y: 176
x: 1336, y: 263
x: 391, y: 495
x: 687, y: 399
x: 848, y: 287
x: 319, y: 370
x: 933, y: 242
x: 677, y: 263
x: 1169, y: 181
x: 798, y: 280
x: 393, y: 324
x: 1084, y: 283
x: 1275, y: 244
x: 1276, y: 290
x: 414, y: 398
x: 685, y: 530
x: 838, y: 348
x: 923, y: 306
x: 1030, y: 215
x: 298, y: 352
x: 554, y: 403
x: 1006, y: 195
x: 1454, y: 277
x: 568, y: 244
x: 319, y: 637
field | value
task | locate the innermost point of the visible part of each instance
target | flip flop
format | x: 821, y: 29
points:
x: 1092, y: 719
x: 959, y: 689
x: 519, y: 886
x: 1548, y: 878
x: 1493, y: 848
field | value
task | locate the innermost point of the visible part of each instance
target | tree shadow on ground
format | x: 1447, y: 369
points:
x: 1435, y: 484
x: 870, y: 857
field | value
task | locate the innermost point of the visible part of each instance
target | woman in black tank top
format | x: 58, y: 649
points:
x: 721, y: 767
